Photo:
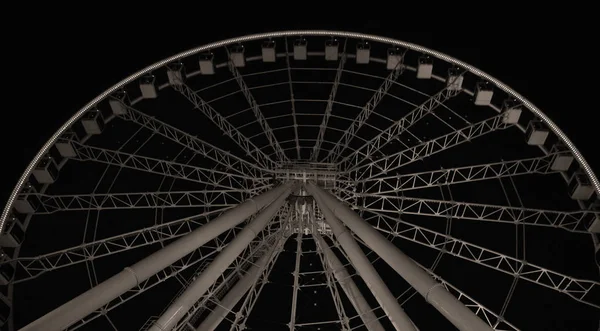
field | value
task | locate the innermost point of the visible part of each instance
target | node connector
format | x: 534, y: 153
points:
x: 511, y: 110
x: 175, y: 73
x: 207, y: 66
x: 484, y: 92
x: 268, y: 51
x: 580, y: 186
x: 46, y: 171
x: 64, y: 144
x: 147, y: 87
x: 331, y: 49
x: 118, y: 102
x: 454, y: 80
x: 93, y: 122
x: 300, y: 49
x: 237, y: 57
x: 425, y: 67
x: 537, y: 133
x: 562, y: 159
x: 26, y: 204
x: 394, y: 58
x: 14, y: 233
x: 363, y: 52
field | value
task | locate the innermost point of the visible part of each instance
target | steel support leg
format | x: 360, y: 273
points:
x: 236, y: 293
x: 198, y: 288
x: 296, y: 288
x: 356, y: 298
x: 433, y: 292
x: 86, y: 303
x: 361, y: 263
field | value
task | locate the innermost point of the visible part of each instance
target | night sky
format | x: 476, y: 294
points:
x: 77, y: 64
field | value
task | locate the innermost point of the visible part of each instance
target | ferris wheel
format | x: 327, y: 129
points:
x: 304, y: 180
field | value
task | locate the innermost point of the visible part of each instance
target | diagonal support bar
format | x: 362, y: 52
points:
x: 296, y: 288
x: 82, y: 305
x: 229, y: 129
x: 257, y: 112
x: 433, y: 292
x: 198, y: 288
x: 363, y: 266
x: 193, y: 143
x: 361, y: 119
x: 237, y: 292
x: 396, y: 129
x: 429, y: 148
x: 356, y: 298
x: 329, y: 108
x: 292, y: 100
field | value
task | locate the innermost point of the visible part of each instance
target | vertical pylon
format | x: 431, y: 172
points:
x: 198, y: 287
x: 96, y: 297
x: 342, y: 276
x: 361, y: 263
x: 433, y: 292
x: 236, y: 293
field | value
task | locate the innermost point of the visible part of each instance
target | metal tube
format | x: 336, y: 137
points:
x: 198, y: 287
x: 433, y: 292
x: 236, y: 293
x: 356, y: 298
x: 296, y: 288
x: 94, y: 298
x: 365, y: 269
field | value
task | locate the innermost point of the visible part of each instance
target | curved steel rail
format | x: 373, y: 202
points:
x: 555, y: 129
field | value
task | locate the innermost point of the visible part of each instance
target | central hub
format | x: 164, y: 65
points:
x: 323, y: 174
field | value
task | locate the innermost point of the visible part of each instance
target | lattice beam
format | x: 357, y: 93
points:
x: 578, y: 289
x: 406, y: 182
x: 227, y: 128
x: 426, y: 149
x: 202, y: 148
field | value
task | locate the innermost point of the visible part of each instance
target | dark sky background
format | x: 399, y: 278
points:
x: 62, y: 66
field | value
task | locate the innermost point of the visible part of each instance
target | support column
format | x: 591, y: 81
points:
x: 296, y: 288
x: 236, y: 293
x: 356, y: 298
x: 433, y: 292
x: 198, y: 287
x: 91, y: 300
x: 363, y: 266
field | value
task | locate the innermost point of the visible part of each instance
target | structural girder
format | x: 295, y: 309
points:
x: 29, y: 267
x: 202, y: 148
x: 167, y: 168
x: 406, y: 182
x: 578, y: 289
x: 574, y: 221
x: 352, y: 161
x: 262, y: 121
x: 175, y: 199
x: 261, y: 279
x: 219, y: 289
x: 103, y: 293
x: 448, y: 305
x: 227, y: 128
x: 362, y: 117
x: 393, y: 161
x: 328, y: 109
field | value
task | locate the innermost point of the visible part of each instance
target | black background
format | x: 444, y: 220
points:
x: 63, y: 63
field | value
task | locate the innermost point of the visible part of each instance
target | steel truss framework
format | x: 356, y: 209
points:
x: 573, y: 221
x: 343, y: 186
x: 202, y: 148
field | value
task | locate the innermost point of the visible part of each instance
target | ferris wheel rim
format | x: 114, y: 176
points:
x: 186, y: 56
x: 291, y: 33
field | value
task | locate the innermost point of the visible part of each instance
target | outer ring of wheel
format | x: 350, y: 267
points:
x: 44, y: 150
